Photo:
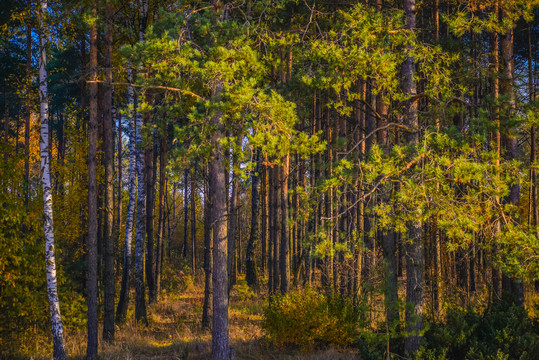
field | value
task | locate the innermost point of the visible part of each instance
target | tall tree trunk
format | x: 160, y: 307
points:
x: 193, y: 222
x: 91, y: 351
x: 140, y: 298
x: 150, y: 194
x: 120, y: 176
x: 123, y: 302
x: 264, y: 216
x: 207, y: 252
x: 220, y: 350
x: 27, y: 114
x: 108, y: 240
x: 232, y: 223
x: 251, y: 274
x: 48, y: 225
x: 285, y: 238
x: 414, y: 246
x: 161, y: 223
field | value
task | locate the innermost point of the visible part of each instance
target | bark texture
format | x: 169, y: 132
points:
x: 48, y: 224
x: 123, y: 302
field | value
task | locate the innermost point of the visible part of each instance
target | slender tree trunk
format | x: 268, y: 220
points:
x: 193, y: 222
x: 108, y: 273
x: 91, y: 351
x: 161, y: 224
x: 121, y: 310
x: 140, y: 298
x: 264, y: 216
x: 251, y: 274
x: 414, y: 246
x: 27, y: 114
x: 150, y: 194
x: 207, y: 253
x: 232, y: 224
x: 285, y: 238
x: 48, y: 225
x: 120, y: 176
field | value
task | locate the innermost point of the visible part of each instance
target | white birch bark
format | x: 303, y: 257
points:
x: 121, y: 311
x: 48, y: 226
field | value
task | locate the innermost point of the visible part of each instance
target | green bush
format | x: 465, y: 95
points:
x: 308, y: 319
x: 503, y: 332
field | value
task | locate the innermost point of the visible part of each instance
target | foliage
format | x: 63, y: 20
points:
x: 504, y: 331
x: 308, y: 319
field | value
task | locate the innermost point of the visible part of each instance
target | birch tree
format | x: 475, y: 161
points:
x: 48, y: 225
x: 121, y: 310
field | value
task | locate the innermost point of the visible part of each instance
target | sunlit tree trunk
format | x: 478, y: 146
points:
x: 48, y: 225
x: 220, y: 350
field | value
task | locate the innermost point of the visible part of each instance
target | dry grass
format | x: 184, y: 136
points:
x: 174, y: 332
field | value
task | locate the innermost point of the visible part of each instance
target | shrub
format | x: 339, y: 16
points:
x: 309, y: 319
x: 503, y: 332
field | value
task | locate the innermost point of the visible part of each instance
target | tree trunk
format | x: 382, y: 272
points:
x: 121, y: 310
x: 150, y: 191
x: 207, y: 253
x: 285, y: 238
x: 264, y: 216
x: 220, y: 350
x: 251, y: 274
x: 193, y: 222
x: 120, y: 176
x: 91, y: 351
x: 232, y: 223
x: 414, y: 246
x: 161, y: 223
x: 140, y: 298
x: 108, y: 240
x: 48, y: 225
x: 27, y: 114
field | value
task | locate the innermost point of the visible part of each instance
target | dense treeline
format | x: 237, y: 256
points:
x: 382, y: 152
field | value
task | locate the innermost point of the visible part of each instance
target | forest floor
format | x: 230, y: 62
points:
x: 175, y: 332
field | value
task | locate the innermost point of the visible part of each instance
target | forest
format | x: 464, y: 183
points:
x: 269, y: 179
